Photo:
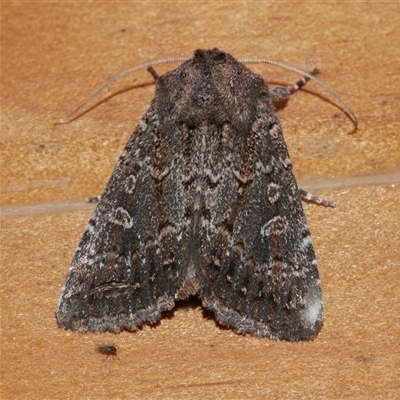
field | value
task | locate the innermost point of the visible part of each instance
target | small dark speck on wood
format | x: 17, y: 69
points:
x: 108, y: 350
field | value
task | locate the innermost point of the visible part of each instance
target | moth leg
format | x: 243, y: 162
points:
x: 319, y: 200
x: 93, y: 199
x: 153, y: 73
x: 281, y: 93
x: 299, y: 84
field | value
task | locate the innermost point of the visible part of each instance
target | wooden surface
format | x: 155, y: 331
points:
x: 55, y: 54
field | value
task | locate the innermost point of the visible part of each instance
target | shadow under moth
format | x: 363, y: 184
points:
x: 203, y: 201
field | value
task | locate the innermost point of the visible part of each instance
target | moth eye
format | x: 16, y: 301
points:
x: 220, y: 56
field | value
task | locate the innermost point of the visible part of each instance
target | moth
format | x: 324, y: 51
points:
x: 202, y: 202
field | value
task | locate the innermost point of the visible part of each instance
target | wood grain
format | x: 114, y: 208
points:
x: 55, y: 54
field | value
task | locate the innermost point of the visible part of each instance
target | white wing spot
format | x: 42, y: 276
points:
x: 275, y: 226
x: 307, y: 241
x: 313, y: 305
x: 313, y: 311
x: 122, y: 217
x: 130, y: 184
x: 273, y: 192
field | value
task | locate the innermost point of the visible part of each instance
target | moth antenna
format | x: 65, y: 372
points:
x: 308, y: 75
x: 116, y: 77
x: 149, y: 64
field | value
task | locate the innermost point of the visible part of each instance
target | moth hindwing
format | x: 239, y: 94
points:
x: 204, y: 202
